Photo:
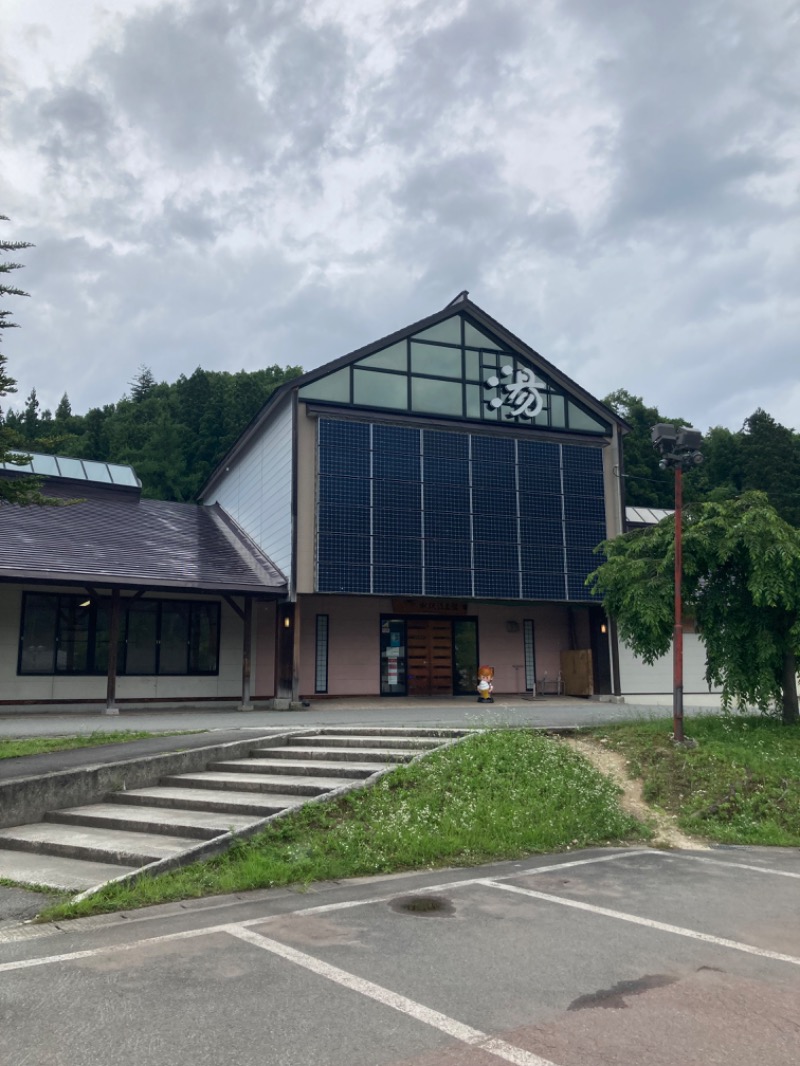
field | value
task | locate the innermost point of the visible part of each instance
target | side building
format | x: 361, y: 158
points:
x: 434, y: 500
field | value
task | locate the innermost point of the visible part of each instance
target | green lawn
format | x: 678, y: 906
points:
x: 740, y: 785
x: 10, y: 749
x: 493, y: 796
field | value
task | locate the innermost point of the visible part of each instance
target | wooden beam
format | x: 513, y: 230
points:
x: 247, y: 641
x: 113, y: 642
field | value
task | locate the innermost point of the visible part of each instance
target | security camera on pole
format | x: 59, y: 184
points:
x: 680, y: 449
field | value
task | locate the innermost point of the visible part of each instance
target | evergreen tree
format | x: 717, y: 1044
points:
x: 25, y: 489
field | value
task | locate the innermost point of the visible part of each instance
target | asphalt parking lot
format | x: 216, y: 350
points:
x: 593, y: 959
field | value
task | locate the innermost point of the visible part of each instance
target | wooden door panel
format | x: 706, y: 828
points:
x: 430, y: 657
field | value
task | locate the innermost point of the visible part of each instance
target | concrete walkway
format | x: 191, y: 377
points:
x: 457, y: 711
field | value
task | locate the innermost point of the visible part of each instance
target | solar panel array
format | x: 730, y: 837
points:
x: 411, y: 512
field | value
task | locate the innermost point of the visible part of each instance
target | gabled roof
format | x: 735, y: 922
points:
x: 111, y: 538
x: 461, y: 304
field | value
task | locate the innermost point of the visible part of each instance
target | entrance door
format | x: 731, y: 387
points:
x: 430, y: 656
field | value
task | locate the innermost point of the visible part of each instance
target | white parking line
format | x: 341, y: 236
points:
x: 649, y: 923
x: 728, y: 865
x: 452, y: 1028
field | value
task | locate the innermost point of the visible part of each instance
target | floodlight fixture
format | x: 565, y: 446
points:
x: 664, y: 436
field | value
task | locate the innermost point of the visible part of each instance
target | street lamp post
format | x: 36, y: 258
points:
x: 680, y: 448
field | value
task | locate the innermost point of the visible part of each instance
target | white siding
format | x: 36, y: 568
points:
x: 636, y: 677
x: 257, y: 489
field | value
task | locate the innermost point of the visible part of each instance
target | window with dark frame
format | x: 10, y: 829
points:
x: 530, y: 655
x: 67, y: 633
x: 321, y: 657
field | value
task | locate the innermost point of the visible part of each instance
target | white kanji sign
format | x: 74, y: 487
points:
x: 520, y: 392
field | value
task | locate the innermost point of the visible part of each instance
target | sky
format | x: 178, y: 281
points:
x: 235, y: 184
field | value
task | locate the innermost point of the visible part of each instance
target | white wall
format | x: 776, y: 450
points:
x: 637, y: 678
x: 256, y: 491
x: 228, y: 683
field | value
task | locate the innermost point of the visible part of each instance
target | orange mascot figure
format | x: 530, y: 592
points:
x: 485, y: 684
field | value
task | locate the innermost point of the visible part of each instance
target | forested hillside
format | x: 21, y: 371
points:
x: 175, y: 434
x: 763, y: 455
x: 172, y: 435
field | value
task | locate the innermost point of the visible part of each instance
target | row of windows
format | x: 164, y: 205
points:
x: 453, y: 370
x: 68, y: 633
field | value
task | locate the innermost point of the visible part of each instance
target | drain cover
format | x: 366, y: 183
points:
x: 424, y: 906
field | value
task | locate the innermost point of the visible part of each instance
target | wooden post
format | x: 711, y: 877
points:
x: 113, y: 642
x: 247, y: 641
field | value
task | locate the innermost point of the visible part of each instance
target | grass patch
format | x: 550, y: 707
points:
x: 11, y: 749
x: 494, y: 796
x: 741, y: 785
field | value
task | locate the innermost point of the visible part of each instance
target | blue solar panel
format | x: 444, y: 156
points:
x: 448, y: 582
x: 445, y: 445
x: 494, y: 527
x: 536, y: 531
x: 448, y: 553
x: 495, y: 513
x: 402, y: 467
x: 447, y: 525
x: 344, y: 520
x: 495, y: 476
x: 448, y: 471
x: 395, y: 440
x: 493, y: 450
x: 396, y: 495
x: 543, y: 586
x: 537, y: 505
x: 396, y: 551
x: 495, y: 555
x: 343, y: 492
x: 497, y: 585
x: 343, y: 579
x: 492, y: 501
x: 397, y: 523
x: 337, y: 436
x: 542, y: 557
x: 441, y: 497
x: 335, y: 550
x: 397, y: 581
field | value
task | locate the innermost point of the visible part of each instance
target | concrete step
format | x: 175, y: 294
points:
x: 313, y: 768
x: 371, y: 755
x: 200, y: 825
x: 301, y: 784
x: 440, y: 735
x: 57, y: 871
x: 224, y: 801
x: 119, y: 847
x: 361, y: 741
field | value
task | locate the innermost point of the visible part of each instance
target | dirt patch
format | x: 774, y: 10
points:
x: 613, y: 765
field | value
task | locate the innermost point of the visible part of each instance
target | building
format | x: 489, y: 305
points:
x: 434, y: 500
x: 388, y: 522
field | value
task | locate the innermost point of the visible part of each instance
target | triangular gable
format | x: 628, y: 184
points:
x: 457, y: 368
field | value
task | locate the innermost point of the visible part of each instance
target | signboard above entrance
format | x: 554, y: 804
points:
x: 410, y: 606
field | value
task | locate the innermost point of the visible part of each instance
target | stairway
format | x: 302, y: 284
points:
x: 80, y: 848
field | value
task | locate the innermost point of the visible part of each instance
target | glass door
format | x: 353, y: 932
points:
x: 393, y: 657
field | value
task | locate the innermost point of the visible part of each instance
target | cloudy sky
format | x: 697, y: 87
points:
x: 236, y: 183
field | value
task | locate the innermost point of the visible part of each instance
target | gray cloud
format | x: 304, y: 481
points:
x: 235, y: 182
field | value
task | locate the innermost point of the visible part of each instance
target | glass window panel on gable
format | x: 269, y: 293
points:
x: 580, y: 420
x: 476, y: 338
x: 435, y: 359
x: 430, y: 396
x: 448, y: 332
x: 335, y: 388
x: 393, y: 358
x: 378, y: 388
